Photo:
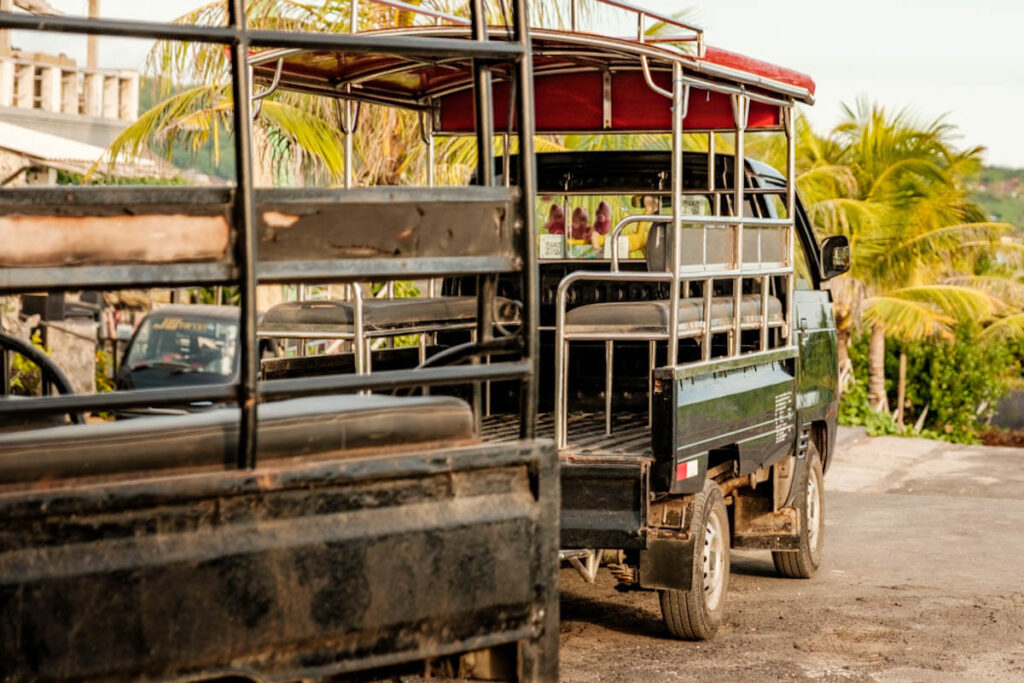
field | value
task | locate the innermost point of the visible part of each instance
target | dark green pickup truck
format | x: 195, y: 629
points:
x: 667, y: 463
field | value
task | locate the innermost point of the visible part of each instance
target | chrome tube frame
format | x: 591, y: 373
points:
x: 737, y: 271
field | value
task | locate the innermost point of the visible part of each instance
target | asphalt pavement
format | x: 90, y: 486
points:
x: 923, y: 580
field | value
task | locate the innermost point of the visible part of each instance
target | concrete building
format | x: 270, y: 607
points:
x: 54, y: 96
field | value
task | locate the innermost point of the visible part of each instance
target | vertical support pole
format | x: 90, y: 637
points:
x: 652, y: 358
x: 92, y: 45
x: 678, y: 103
x: 484, y: 102
x: 574, y: 15
x: 609, y: 360
x: 705, y: 345
x: 787, y: 117
x: 431, y: 160
x: 486, y: 284
x: 712, y: 181
x: 764, y: 312
x: 739, y: 112
x: 245, y: 256
x: 355, y: 293
x: 531, y: 275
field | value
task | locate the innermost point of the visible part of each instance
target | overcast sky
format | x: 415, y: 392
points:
x: 957, y: 57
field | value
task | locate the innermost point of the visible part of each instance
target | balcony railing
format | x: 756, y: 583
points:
x: 48, y: 84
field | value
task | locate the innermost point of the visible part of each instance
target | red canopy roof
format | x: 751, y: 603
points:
x: 571, y: 72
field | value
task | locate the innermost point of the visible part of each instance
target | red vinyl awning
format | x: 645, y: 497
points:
x: 582, y: 83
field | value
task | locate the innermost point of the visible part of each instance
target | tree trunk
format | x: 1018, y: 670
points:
x: 901, y: 392
x: 843, y: 345
x: 876, y: 370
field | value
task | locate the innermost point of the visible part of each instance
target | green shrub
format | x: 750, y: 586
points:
x: 960, y: 382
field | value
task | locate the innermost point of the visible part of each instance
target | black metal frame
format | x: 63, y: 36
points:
x: 243, y: 268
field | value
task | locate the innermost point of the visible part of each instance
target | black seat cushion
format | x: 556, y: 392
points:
x: 643, y: 317
x: 338, y: 316
x: 298, y: 427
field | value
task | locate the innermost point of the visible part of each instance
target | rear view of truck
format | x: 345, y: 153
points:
x: 308, y: 526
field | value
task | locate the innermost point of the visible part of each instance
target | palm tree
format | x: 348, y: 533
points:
x: 896, y: 189
x: 298, y: 137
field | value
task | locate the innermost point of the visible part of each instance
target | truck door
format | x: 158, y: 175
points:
x: 817, y: 383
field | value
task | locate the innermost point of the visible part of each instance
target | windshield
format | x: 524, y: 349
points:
x: 178, y: 343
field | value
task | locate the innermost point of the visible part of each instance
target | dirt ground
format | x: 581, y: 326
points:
x: 923, y: 580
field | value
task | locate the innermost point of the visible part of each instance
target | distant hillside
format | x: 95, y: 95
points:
x: 1000, y: 191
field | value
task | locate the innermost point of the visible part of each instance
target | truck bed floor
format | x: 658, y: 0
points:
x: 631, y: 436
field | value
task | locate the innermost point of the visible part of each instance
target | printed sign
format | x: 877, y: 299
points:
x: 551, y: 246
x: 695, y: 206
x: 623, y: 248
x: 784, y: 415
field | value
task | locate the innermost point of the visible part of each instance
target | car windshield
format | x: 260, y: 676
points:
x: 184, y: 344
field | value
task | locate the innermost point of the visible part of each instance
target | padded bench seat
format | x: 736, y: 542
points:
x: 652, y: 317
x: 299, y: 427
x: 378, y: 314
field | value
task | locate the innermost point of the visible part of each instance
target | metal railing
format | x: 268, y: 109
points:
x: 248, y: 392
x: 677, y: 276
x: 693, y: 33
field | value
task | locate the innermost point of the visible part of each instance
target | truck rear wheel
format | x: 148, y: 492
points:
x: 802, y: 563
x: 695, y: 614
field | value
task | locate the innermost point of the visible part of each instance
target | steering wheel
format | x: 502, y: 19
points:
x: 50, y: 370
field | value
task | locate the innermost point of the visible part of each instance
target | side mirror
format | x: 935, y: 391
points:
x: 835, y: 256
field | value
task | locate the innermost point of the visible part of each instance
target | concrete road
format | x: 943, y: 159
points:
x: 923, y: 580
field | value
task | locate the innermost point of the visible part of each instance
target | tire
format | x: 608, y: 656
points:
x: 695, y: 614
x: 802, y: 563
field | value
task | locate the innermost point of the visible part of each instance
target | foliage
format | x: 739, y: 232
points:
x: 855, y: 410
x: 229, y: 296
x: 959, y: 381
x: 26, y: 377
x: 72, y: 178
x: 104, y: 371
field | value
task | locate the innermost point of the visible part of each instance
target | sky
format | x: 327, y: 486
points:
x: 958, y: 58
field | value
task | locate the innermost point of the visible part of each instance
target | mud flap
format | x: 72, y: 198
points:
x: 667, y: 563
x: 756, y: 526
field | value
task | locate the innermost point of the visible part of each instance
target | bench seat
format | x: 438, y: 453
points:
x: 309, y: 426
x: 652, y: 317
x: 378, y: 314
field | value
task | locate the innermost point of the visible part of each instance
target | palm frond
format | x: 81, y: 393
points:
x: 907, y: 319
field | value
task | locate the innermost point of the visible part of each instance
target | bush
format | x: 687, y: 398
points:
x: 959, y: 381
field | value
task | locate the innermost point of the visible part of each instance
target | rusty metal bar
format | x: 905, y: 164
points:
x: 245, y: 228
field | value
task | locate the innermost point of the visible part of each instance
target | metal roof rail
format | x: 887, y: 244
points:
x: 695, y: 33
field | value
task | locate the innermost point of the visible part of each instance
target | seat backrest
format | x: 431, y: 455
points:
x: 657, y: 248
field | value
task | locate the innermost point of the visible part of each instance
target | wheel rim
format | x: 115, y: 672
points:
x: 813, y: 510
x: 713, y: 559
